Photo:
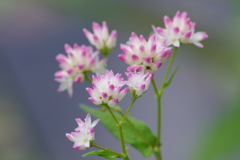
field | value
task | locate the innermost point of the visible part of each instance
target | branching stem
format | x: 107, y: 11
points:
x: 158, y: 96
x: 161, y: 90
x: 134, y: 98
x: 119, y: 126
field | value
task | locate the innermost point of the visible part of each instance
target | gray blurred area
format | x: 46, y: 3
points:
x: 34, y: 117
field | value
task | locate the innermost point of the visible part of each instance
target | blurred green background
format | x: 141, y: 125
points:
x: 201, y: 109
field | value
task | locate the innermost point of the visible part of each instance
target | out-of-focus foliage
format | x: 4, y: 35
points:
x: 222, y: 139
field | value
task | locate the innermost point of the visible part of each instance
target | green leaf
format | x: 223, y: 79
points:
x: 130, y: 135
x: 102, y: 153
x: 166, y: 84
x: 222, y: 138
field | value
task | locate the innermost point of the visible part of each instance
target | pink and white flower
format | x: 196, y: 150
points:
x: 79, y: 60
x: 139, y: 82
x: 81, y: 139
x: 144, y: 55
x: 83, y: 134
x: 107, y: 89
x: 101, y: 38
x: 180, y: 30
x: 87, y: 125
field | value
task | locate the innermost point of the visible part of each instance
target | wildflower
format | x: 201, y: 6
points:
x: 87, y: 125
x: 107, y: 89
x: 139, y: 82
x: 84, y: 133
x: 79, y: 60
x: 101, y: 38
x: 142, y: 55
x: 180, y: 30
x: 81, y: 139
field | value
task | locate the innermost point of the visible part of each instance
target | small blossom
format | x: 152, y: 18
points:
x: 83, y: 134
x: 180, y: 30
x: 101, y: 38
x: 81, y: 139
x: 139, y: 82
x: 87, y: 125
x: 107, y: 89
x: 142, y: 55
x: 79, y: 59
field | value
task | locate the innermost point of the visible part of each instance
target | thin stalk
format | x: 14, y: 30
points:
x: 129, y: 108
x: 124, y: 150
x: 154, y: 86
x: 112, y: 114
x: 87, y: 78
x: 158, y: 101
x: 158, y: 95
x: 105, y: 149
x: 159, y: 110
x: 157, y: 150
x: 161, y: 90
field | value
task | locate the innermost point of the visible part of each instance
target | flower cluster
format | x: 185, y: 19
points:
x: 101, y: 38
x: 144, y: 55
x: 79, y: 60
x: 83, y: 134
x: 107, y: 89
x: 180, y: 30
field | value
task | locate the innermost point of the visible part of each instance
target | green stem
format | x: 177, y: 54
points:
x: 158, y: 101
x: 168, y: 70
x: 125, y: 154
x: 154, y: 86
x: 112, y: 114
x: 158, y: 156
x: 87, y: 78
x: 134, y: 97
x: 136, y: 130
x: 158, y: 95
x: 106, y: 149
x: 157, y: 150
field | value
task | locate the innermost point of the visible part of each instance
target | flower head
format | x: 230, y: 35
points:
x: 101, y: 38
x: 87, y: 125
x: 107, y: 89
x: 139, y: 82
x: 81, y: 139
x: 142, y: 55
x: 79, y: 60
x: 180, y: 30
x: 83, y: 134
